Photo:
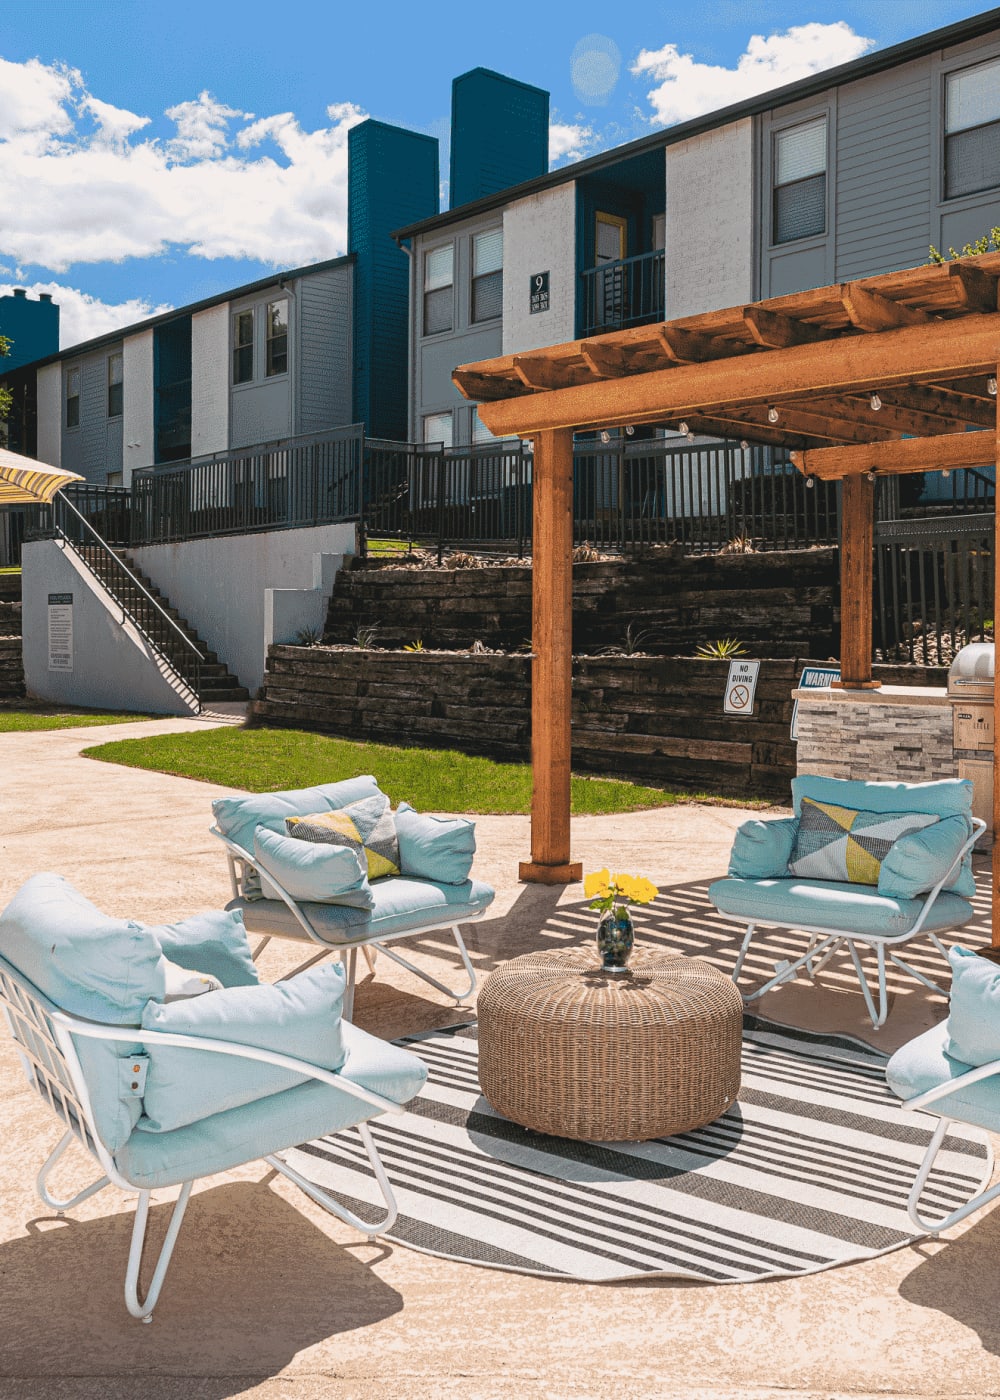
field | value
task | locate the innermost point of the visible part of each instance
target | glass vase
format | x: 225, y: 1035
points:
x: 615, y: 937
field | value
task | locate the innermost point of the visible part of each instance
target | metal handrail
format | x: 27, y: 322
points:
x: 191, y: 680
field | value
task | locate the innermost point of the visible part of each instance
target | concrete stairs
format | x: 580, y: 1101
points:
x: 215, y: 683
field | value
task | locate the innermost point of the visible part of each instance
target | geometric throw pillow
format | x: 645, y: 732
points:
x: 838, y: 843
x: 366, y: 827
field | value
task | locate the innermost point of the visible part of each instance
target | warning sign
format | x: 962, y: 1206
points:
x: 740, y: 687
x: 813, y: 678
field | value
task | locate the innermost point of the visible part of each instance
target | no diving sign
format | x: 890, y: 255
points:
x: 740, y: 687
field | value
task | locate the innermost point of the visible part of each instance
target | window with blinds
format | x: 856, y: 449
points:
x: 438, y: 290
x: 972, y: 130
x: 73, y: 397
x: 487, y: 275
x: 115, y: 384
x: 243, y: 347
x: 800, y: 181
x: 438, y: 428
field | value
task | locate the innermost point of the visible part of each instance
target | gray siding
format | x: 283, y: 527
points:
x: 433, y: 357
x: 261, y: 410
x: 94, y: 448
x: 325, y: 353
x: 885, y: 179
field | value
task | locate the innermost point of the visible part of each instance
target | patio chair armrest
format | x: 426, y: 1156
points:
x: 236, y: 852
x: 92, y: 1031
x: 949, y: 1086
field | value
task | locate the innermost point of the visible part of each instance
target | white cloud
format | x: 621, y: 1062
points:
x: 568, y: 141
x: 686, y: 88
x: 82, y: 316
x: 78, y: 183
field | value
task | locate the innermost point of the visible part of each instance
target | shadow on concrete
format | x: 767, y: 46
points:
x: 960, y: 1278
x: 252, y: 1283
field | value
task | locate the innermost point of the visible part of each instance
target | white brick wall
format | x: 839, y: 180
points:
x: 210, y: 380
x: 539, y: 235
x: 137, y: 396
x: 709, y: 223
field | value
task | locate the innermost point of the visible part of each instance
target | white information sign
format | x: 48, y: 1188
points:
x: 60, y: 631
x: 812, y: 678
x: 740, y: 687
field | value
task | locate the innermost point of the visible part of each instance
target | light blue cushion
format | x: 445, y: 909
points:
x: 300, y: 1017
x: 974, y: 1013
x: 925, y: 1063
x: 309, y: 870
x: 400, y: 903
x: 282, y: 1120
x: 915, y: 863
x: 947, y: 797
x: 214, y: 943
x: 238, y: 817
x: 763, y: 848
x: 828, y: 904
x: 434, y: 848
x: 93, y: 966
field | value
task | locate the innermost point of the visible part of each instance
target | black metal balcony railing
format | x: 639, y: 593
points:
x: 629, y: 292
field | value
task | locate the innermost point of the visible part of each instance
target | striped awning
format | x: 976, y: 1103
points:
x: 24, y: 481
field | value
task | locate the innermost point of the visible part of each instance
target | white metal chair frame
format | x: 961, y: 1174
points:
x: 925, y: 1101
x: 348, y: 952
x: 823, y: 943
x: 44, y: 1038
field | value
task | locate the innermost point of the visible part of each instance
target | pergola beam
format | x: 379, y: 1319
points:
x: 871, y: 311
x: 946, y: 452
x: 853, y: 364
x: 778, y: 332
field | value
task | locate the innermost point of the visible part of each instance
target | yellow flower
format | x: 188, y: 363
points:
x: 645, y: 891
x: 595, y: 886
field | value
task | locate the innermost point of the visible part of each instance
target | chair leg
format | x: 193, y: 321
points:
x: 349, y: 958
x: 323, y: 1198
x: 53, y: 1202
x: 815, y: 951
x: 743, y: 951
x: 878, y: 1017
x: 142, y: 1308
x: 260, y: 947
x: 977, y: 1202
x: 426, y: 977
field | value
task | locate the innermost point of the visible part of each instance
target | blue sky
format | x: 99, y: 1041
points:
x: 150, y: 156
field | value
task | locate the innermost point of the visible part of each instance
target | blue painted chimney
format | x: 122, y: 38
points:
x: 31, y: 326
x: 499, y: 134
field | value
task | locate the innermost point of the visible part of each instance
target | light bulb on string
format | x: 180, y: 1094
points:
x: 605, y: 436
x: 875, y: 402
x: 991, y: 385
x: 772, y: 414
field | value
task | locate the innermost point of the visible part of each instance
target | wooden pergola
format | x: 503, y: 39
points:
x: 867, y: 378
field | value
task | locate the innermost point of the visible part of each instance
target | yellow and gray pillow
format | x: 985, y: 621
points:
x: 366, y: 827
x: 839, y: 843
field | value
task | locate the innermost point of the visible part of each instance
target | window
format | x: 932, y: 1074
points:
x: 242, y: 347
x: 438, y: 300
x: 487, y: 275
x: 276, y: 361
x: 115, y: 385
x: 610, y: 237
x: 800, y: 181
x: 972, y: 130
x: 73, y: 397
x: 480, y: 433
x: 438, y: 428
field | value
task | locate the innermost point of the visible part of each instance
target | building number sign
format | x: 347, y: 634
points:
x: 539, y: 292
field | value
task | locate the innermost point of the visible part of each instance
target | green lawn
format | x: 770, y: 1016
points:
x: 267, y: 760
x: 11, y: 720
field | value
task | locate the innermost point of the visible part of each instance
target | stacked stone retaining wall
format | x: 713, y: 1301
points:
x: 11, y: 658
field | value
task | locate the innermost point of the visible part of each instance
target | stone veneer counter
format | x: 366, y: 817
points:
x: 901, y: 733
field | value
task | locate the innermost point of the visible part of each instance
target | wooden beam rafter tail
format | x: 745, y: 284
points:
x: 775, y: 331
x: 973, y: 288
x: 871, y: 311
x: 604, y: 361
x: 692, y: 348
x: 486, y: 388
x: 537, y: 372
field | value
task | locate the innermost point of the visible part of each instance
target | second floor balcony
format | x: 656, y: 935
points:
x: 628, y: 292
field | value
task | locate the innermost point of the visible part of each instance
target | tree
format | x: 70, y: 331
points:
x: 6, y: 397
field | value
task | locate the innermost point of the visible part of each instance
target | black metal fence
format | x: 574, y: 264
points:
x: 933, y: 587
x: 627, y: 292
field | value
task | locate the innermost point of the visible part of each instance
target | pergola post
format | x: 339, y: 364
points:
x: 996, y: 712
x: 857, y: 531
x: 552, y: 663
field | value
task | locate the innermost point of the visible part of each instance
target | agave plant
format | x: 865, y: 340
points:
x: 308, y: 636
x: 720, y: 650
x: 418, y: 645
x: 366, y: 636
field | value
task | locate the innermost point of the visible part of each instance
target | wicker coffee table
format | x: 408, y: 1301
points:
x: 568, y: 1050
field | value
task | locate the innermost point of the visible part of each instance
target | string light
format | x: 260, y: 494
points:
x: 946, y: 473
x: 629, y: 430
x: 744, y: 444
x: 991, y: 385
x: 875, y: 402
x: 605, y: 436
x: 772, y: 415
x: 682, y: 427
x: 810, y: 483
x: 869, y: 476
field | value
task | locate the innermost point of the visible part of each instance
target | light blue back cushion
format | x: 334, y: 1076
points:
x: 92, y: 966
x: 238, y: 817
x: 435, y: 848
x: 947, y: 797
x: 762, y: 849
x: 974, y: 1014
x: 300, y: 1017
x: 311, y: 870
x: 915, y: 863
x: 214, y: 943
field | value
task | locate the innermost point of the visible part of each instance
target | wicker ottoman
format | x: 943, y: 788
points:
x: 567, y: 1050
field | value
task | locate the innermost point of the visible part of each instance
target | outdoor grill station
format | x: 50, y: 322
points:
x: 970, y: 693
x: 876, y: 377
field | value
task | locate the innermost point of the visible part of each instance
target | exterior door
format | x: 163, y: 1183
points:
x: 610, y: 250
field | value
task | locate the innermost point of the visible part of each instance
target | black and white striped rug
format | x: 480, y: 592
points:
x: 809, y: 1169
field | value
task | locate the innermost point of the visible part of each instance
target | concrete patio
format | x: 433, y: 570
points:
x: 269, y: 1296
